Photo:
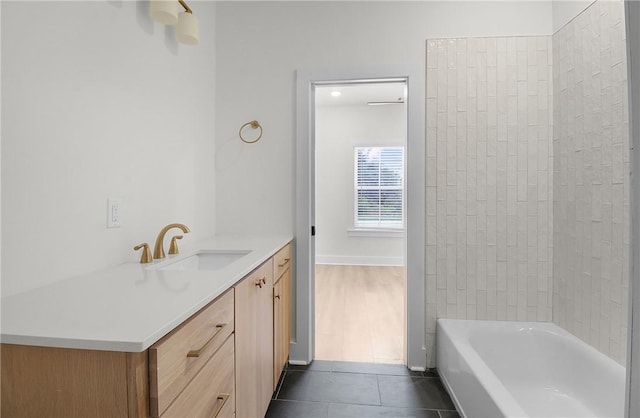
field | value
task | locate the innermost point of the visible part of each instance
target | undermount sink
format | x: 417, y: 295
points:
x: 205, y: 260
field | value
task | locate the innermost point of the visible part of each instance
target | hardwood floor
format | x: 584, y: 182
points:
x: 360, y: 313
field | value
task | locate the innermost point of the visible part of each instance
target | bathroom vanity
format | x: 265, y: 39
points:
x: 159, y: 340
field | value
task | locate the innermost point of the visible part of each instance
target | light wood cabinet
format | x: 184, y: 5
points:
x: 63, y: 383
x: 281, y: 311
x: 254, y: 342
x: 189, y: 372
x: 178, y: 358
x: 222, y: 362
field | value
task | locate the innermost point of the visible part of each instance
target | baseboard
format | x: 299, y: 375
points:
x: 298, y: 363
x: 359, y: 260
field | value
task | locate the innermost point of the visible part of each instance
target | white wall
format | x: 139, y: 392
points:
x: 338, y: 130
x: 261, y: 44
x: 566, y: 10
x: 0, y: 163
x: 98, y: 101
x: 591, y: 179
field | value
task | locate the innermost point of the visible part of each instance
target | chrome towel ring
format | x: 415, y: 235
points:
x: 254, y: 125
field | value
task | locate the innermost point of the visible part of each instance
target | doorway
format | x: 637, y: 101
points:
x: 360, y: 286
x: 303, y: 344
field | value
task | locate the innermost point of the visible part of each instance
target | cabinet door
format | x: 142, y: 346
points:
x: 265, y: 342
x: 281, y: 324
x: 254, y: 342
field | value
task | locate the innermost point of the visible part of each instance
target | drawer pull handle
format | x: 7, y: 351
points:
x: 263, y: 280
x: 284, y: 262
x: 220, y: 400
x: 196, y: 353
x: 259, y: 283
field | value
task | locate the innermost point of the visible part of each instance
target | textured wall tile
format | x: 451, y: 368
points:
x: 563, y: 208
x: 590, y: 181
x: 493, y: 160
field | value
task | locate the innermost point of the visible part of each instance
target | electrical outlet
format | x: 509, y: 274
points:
x: 113, y: 212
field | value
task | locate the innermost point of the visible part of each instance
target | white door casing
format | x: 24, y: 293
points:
x: 302, y: 347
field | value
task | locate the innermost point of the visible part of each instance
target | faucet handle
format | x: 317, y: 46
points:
x: 173, y: 247
x: 146, y: 252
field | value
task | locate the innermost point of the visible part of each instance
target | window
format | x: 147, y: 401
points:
x: 379, y: 187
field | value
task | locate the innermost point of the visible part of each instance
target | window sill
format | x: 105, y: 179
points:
x: 375, y: 232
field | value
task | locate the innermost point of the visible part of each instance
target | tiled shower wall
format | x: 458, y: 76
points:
x: 591, y: 178
x: 489, y: 180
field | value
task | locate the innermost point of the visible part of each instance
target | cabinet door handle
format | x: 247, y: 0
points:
x: 259, y: 283
x: 220, y: 401
x: 277, y: 296
x: 284, y: 262
x: 263, y: 280
x: 196, y: 353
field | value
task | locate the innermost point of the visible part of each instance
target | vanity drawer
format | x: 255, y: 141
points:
x: 282, y: 261
x: 212, y: 392
x: 177, y: 357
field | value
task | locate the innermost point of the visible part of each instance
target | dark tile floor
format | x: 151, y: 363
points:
x: 332, y: 389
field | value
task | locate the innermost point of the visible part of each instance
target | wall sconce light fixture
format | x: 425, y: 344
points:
x: 166, y: 12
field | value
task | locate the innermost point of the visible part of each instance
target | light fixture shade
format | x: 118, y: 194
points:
x: 164, y: 11
x: 188, y: 30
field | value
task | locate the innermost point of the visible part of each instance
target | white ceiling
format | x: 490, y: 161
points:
x: 359, y: 94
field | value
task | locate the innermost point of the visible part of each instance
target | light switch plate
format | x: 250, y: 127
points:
x: 113, y: 212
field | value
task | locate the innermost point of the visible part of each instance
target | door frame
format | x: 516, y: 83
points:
x: 303, y: 345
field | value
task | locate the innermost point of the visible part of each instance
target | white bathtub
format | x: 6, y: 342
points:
x: 525, y: 369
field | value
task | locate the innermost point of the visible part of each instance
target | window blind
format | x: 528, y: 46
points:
x: 379, y: 187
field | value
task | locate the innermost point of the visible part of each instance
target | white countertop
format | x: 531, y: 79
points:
x: 128, y: 307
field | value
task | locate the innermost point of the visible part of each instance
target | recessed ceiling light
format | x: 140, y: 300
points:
x: 335, y: 93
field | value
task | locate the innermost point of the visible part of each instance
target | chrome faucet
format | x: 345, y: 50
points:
x: 158, y: 249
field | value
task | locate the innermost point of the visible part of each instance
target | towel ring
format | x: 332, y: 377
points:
x: 254, y: 125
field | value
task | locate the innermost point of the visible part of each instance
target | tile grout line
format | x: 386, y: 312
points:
x: 378, y: 386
